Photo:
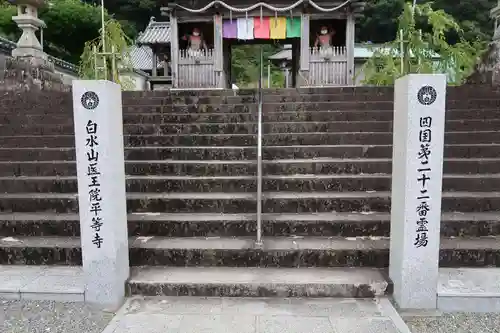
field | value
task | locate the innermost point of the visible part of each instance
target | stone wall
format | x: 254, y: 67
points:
x: 30, y: 74
x: 44, y: 102
x: 15, y: 103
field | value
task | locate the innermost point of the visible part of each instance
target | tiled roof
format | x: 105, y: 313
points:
x: 155, y: 33
x: 141, y: 57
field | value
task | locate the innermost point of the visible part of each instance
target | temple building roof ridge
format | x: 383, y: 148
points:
x: 155, y: 33
x: 319, y: 5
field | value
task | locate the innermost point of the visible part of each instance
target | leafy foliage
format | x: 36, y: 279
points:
x: 137, y: 12
x: 245, y: 61
x: 96, y: 64
x: 70, y: 24
x: 380, y: 22
x: 8, y: 28
x: 73, y: 22
x: 418, y: 51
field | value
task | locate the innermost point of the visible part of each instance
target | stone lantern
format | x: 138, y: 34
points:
x: 27, y: 20
x: 30, y: 67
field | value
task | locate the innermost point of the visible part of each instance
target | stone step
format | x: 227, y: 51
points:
x: 235, y: 184
x: 273, y: 202
x: 150, y: 153
x: 319, y: 98
x: 275, y: 139
x: 258, y: 282
x: 208, y: 168
x: 237, y: 225
x: 189, y: 92
x: 368, y: 166
x: 478, y: 91
x: 379, y: 115
x: 135, y: 118
x: 203, y: 103
x: 52, y: 101
x: 374, y: 106
x: 64, y: 100
x: 191, y: 100
x: 481, y: 153
x: 242, y: 252
x: 356, y: 151
x: 369, y: 98
x: 136, y: 202
x: 452, y: 92
x: 232, y: 104
x: 140, y: 168
x: 18, y: 120
x: 249, y: 127
x: 200, y: 108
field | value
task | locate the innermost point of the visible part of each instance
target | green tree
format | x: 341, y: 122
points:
x: 473, y: 16
x: 70, y: 23
x: 414, y: 51
x: 8, y: 28
x: 379, y: 23
x: 132, y: 14
x: 95, y: 63
x: 245, y: 62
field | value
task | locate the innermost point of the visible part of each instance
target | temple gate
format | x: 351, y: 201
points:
x: 202, y: 30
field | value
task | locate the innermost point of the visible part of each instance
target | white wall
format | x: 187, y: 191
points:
x: 139, y: 80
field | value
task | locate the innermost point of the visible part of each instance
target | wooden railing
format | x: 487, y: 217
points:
x: 328, y: 66
x: 196, y: 69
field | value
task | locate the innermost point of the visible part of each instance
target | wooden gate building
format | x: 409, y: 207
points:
x: 209, y: 65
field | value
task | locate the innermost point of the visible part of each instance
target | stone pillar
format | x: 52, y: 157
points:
x: 98, y: 121
x: 417, y: 164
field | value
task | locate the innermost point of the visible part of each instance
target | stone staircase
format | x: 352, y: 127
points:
x: 191, y: 182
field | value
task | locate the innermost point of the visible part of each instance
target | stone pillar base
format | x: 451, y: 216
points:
x: 31, y: 73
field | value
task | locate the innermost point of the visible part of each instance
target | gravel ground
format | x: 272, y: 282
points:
x: 51, y: 317
x: 455, y: 323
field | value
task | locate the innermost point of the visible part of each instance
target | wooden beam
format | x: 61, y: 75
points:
x: 174, y: 49
x: 304, y: 42
x: 349, y: 43
x: 154, y: 70
x: 218, y: 51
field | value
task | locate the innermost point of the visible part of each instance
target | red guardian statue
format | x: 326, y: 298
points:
x: 196, y: 43
x: 324, y: 40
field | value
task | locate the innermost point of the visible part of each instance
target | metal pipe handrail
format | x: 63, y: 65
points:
x: 259, y: 154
